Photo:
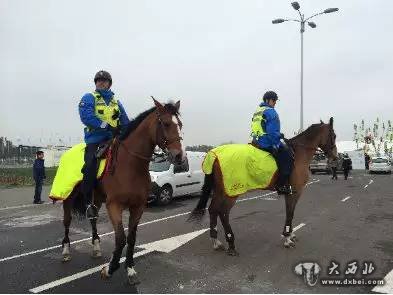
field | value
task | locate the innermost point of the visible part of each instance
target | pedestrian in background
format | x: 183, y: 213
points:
x: 347, y: 165
x: 333, y: 166
x: 39, y: 176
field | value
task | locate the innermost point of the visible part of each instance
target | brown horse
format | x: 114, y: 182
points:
x: 304, y: 145
x: 128, y: 184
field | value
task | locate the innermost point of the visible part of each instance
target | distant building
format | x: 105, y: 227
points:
x: 53, y: 154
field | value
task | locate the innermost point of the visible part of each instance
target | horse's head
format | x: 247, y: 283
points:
x: 168, y: 131
x: 327, y: 141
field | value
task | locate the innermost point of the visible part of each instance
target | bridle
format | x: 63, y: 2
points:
x: 165, y: 141
x: 162, y: 139
x: 329, y: 146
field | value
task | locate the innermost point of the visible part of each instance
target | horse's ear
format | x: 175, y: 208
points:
x: 322, y: 122
x: 331, y: 121
x: 177, y: 106
x: 157, y: 103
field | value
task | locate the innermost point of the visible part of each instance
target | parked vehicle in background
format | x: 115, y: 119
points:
x: 169, y: 180
x: 380, y: 164
x: 320, y: 163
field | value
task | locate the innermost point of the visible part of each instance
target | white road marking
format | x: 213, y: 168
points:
x: 112, y: 232
x: 24, y: 206
x: 165, y: 246
x: 343, y: 200
x: 371, y: 181
x: 388, y: 287
x: 298, y: 227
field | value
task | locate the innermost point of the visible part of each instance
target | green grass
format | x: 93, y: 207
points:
x: 13, y: 177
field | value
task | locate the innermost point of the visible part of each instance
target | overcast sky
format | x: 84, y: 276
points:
x: 218, y: 57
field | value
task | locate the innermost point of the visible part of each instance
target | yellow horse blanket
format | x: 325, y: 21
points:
x: 69, y: 174
x: 243, y: 167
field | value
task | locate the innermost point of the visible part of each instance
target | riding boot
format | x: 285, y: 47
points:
x: 283, y: 187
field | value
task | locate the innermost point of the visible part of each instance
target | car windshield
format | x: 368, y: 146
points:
x: 380, y: 160
x: 159, y: 165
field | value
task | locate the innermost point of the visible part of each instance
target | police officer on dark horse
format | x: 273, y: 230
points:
x: 265, y: 131
x: 103, y: 115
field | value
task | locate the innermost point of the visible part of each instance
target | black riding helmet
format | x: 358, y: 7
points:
x: 103, y: 75
x: 270, y: 95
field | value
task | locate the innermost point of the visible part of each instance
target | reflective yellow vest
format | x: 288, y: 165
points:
x: 256, y: 123
x: 105, y: 112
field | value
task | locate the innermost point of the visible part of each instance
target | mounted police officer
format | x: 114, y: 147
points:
x: 103, y: 115
x: 265, y: 131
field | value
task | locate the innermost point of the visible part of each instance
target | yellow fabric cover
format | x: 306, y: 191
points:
x: 243, y: 166
x: 69, y: 172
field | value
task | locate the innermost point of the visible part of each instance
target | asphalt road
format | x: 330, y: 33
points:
x: 340, y: 221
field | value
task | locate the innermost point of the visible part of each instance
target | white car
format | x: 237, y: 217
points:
x: 169, y: 180
x: 380, y: 164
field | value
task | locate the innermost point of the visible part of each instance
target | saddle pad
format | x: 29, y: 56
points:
x: 69, y: 174
x: 243, y: 167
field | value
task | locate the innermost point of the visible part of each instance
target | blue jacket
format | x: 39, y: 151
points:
x: 39, y: 170
x: 100, y: 132
x: 271, y: 126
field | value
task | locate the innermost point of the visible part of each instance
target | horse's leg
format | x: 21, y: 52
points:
x: 217, y: 245
x: 135, y: 216
x: 95, y: 238
x: 229, y: 236
x: 115, y: 214
x: 289, y: 236
x: 66, y: 221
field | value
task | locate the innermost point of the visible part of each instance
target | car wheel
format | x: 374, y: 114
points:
x: 165, y: 196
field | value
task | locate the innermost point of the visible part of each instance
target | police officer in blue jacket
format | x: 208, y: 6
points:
x: 39, y: 176
x: 103, y: 116
x: 265, y: 131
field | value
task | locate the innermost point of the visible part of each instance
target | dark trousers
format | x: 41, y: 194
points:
x: 38, y: 190
x: 89, y: 172
x: 334, y: 172
x: 346, y: 172
x: 284, y: 162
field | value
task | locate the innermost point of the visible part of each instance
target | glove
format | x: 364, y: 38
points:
x: 116, y: 114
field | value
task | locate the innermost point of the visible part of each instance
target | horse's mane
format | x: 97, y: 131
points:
x: 133, y: 124
x: 308, y: 133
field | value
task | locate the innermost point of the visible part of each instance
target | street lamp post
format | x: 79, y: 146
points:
x: 302, y: 20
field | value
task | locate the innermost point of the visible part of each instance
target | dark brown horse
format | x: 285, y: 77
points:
x: 128, y: 185
x: 305, y: 144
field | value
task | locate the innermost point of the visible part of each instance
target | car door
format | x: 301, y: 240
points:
x: 182, y: 177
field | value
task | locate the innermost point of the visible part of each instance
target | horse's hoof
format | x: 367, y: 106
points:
x: 232, y: 252
x: 96, y: 254
x: 289, y: 244
x: 133, y: 280
x: 66, y: 258
x: 104, y: 273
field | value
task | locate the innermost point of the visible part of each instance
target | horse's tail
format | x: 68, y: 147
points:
x: 199, y: 211
x: 78, y: 203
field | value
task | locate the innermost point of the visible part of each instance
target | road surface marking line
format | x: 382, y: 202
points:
x: 388, y: 287
x: 343, y: 200
x: 298, y: 227
x: 24, y: 206
x: 163, y: 246
x: 112, y: 232
x: 80, y: 274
